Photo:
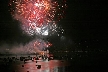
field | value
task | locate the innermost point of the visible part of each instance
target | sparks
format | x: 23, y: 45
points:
x: 35, y: 14
x: 38, y: 17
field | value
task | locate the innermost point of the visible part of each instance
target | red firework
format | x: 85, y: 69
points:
x: 37, y: 11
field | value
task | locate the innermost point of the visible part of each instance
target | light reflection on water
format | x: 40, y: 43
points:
x: 33, y: 66
x: 41, y: 66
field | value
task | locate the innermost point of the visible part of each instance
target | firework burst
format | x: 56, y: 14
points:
x: 38, y: 17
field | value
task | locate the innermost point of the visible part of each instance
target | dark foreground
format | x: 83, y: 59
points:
x: 72, y: 62
x: 29, y: 64
x: 87, y: 61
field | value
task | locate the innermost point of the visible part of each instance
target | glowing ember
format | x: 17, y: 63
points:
x: 38, y: 17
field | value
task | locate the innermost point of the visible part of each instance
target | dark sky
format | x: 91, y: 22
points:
x: 85, y: 20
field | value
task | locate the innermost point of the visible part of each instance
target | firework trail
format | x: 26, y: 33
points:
x: 38, y: 17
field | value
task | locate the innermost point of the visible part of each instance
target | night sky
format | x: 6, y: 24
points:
x: 85, y: 24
